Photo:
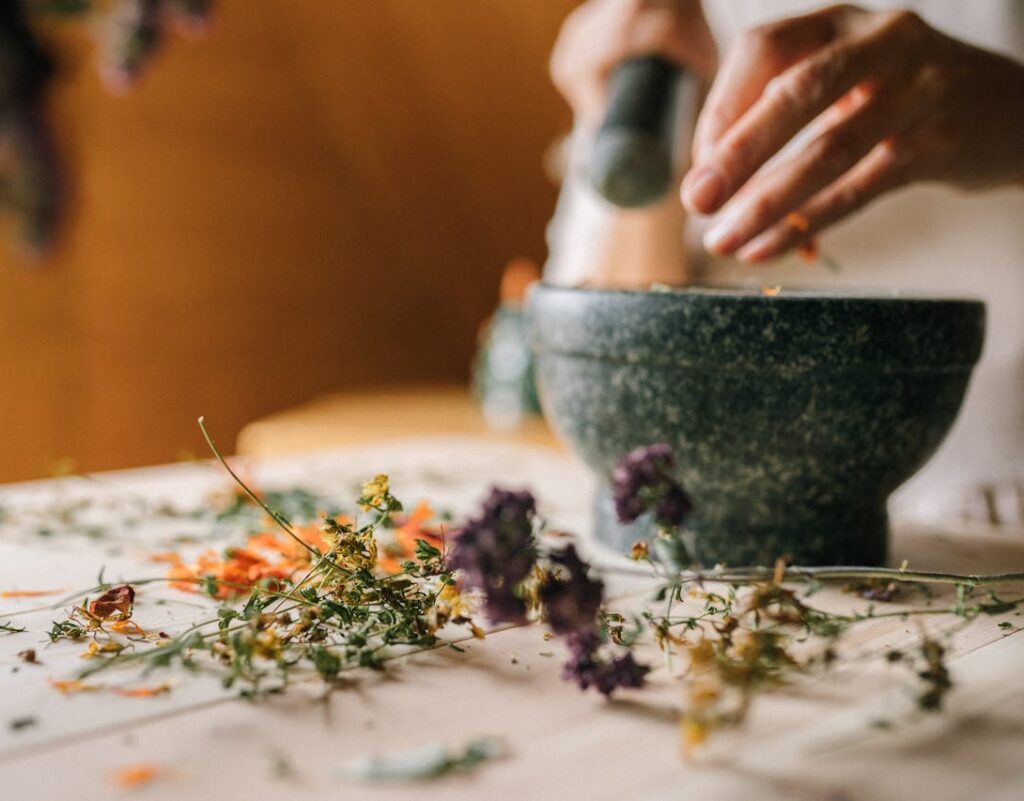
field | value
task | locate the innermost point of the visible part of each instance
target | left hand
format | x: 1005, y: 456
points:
x: 889, y: 100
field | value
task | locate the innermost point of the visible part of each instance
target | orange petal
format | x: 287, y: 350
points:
x: 135, y: 775
x: 127, y: 627
x: 165, y: 556
x: 142, y: 692
x: 74, y: 686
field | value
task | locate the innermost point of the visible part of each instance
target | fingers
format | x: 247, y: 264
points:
x: 760, y: 55
x: 787, y: 183
x: 793, y: 98
x: 885, y: 168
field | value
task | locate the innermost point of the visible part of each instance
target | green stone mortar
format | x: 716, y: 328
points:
x: 792, y: 417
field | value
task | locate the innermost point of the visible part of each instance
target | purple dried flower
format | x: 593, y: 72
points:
x: 571, y: 602
x: 642, y: 482
x: 134, y: 31
x: 496, y: 551
x: 588, y: 668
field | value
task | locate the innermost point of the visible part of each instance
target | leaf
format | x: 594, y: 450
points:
x: 422, y: 762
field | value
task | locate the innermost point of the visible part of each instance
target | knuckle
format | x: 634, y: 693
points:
x: 799, y: 85
x: 766, y: 43
x: 851, y: 196
x: 761, y: 210
x: 907, y: 27
x: 934, y: 82
x: 898, y: 156
x: 907, y: 22
x: 836, y: 149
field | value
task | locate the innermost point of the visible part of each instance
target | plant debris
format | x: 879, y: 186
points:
x: 136, y: 775
x: 355, y: 591
x: 428, y: 761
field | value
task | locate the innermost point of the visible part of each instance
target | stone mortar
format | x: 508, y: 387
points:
x: 792, y: 417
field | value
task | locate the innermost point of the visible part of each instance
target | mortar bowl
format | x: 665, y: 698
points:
x: 792, y: 416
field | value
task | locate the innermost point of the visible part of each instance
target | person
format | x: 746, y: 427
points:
x: 879, y: 126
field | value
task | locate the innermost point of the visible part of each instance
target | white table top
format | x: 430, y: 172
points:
x: 814, y: 739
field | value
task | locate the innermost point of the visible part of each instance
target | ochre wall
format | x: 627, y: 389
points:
x: 318, y: 195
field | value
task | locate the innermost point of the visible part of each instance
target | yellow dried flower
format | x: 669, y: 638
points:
x: 693, y: 731
x: 98, y: 649
x: 638, y: 551
x: 375, y: 492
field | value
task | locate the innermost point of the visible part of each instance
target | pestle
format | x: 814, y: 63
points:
x: 631, y: 162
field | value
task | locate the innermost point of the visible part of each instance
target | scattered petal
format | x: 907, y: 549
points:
x: 142, y: 692
x: 29, y: 593
x: 136, y: 775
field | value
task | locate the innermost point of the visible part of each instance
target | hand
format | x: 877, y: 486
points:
x: 600, y: 34
x: 889, y: 101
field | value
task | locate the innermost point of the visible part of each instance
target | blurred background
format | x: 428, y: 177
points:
x: 311, y: 197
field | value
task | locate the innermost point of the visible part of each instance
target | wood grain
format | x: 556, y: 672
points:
x: 316, y: 196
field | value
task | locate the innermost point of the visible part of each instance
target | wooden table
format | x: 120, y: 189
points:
x: 348, y: 418
x: 816, y: 739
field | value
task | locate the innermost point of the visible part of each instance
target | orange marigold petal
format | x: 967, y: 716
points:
x: 73, y: 686
x: 135, y: 775
x: 142, y: 692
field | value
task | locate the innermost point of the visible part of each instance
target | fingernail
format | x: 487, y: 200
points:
x: 704, y: 190
x: 722, y: 238
x: 762, y: 248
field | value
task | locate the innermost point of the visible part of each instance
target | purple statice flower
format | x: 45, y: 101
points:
x: 588, y: 668
x: 496, y: 551
x: 571, y: 601
x: 642, y: 482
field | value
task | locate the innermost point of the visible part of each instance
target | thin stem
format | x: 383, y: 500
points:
x: 275, y: 516
x: 741, y: 575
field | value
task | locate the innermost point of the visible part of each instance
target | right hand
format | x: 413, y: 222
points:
x: 600, y: 34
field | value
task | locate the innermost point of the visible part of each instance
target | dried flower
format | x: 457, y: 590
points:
x: 589, y: 668
x: 96, y: 649
x: 114, y: 604
x: 642, y: 482
x: 571, y: 598
x: 375, y: 493
x: 29, y: 656
x: 496, y: 551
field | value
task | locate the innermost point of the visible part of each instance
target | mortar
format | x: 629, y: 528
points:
x: 792, y: 417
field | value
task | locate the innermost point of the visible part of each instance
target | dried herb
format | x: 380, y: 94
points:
x: 424, y: 762
x: 355, y: 591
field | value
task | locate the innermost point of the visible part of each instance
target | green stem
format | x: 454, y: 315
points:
x: 275, y: 516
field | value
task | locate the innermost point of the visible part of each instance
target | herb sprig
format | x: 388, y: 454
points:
x: 726, y: 634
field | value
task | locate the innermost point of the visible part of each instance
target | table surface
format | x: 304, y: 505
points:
x: 817, y: 738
